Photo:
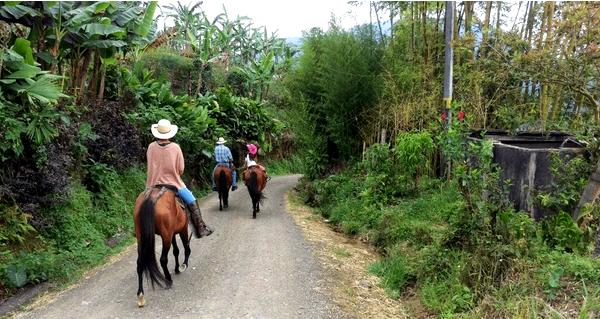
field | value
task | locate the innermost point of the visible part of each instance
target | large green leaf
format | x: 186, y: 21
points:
x: 148, y: 20
x: 85, y: 14
x: 23, y: 48
x: 16, y: 276
x: 105, y: 44
x: 11, y: 57
x: 124, y: 17
x: 103, y: 29
x: 25, y: 72
x: 17, y: 11
x: 44, y: 89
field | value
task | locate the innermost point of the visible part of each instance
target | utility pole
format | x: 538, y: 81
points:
x: 449, y: 34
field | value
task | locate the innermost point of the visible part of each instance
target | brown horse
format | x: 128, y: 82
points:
x: 255, y: 179
x: 223, y: 182
x: 157, y: 211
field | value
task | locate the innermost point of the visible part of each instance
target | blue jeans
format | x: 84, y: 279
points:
x: 186, y: 195
x: 233, y: 174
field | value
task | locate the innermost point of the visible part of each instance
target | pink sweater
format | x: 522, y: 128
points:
x: 165, y: 165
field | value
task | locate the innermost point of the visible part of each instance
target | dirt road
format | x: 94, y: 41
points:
x: 248, y: 268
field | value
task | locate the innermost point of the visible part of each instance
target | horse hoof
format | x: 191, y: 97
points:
x: 141, y: 301
x: 226, y: 206
x: 169, y: 285
x: 182, y: 268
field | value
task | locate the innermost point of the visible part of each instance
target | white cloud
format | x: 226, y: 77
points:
x: 288, y: 18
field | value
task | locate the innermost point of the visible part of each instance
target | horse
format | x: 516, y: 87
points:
x: 223, y: 182
x: 158, y: 211
x: 255, y: 179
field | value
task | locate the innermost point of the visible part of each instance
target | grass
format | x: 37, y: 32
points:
x: 285, y: 166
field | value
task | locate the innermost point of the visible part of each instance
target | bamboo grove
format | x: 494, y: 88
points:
x: 519, y: 66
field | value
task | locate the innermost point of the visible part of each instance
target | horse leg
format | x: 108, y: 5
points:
x: 253, y: 208
x: 220, y: 201
x: 140, y: 272
x: 164, y: 259
x: 226, y: 199
x: 185, y: 240
x: 175, y: 253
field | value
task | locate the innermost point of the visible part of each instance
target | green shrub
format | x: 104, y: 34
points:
x: 77, y: 238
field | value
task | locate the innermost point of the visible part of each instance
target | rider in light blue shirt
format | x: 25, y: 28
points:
x: 223, y: 157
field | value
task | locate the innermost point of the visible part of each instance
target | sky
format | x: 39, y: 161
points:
x: 288, y: 18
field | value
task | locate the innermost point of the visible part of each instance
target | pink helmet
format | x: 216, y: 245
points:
x: 252, y: 148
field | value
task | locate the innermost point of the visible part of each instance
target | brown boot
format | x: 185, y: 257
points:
x: 200, y: 228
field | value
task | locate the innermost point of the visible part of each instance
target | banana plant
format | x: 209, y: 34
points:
x: 27, y: 99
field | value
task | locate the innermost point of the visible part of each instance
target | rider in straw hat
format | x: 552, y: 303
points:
x: 223, y: 157
x: 165, y: 167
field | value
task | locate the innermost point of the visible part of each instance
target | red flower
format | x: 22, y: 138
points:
x: 444, y: 116
x: 461, y: 115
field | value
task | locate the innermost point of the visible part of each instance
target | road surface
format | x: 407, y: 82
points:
x: 248, y: 268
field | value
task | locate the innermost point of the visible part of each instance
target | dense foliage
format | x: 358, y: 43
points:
x: 537, y: 72
x: 80, y: 86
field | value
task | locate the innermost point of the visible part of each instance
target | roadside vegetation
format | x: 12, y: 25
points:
x: 376, y: 145
x: 80, y: 85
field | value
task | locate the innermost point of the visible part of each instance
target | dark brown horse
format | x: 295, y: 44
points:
x: 223, y: 182
x: 157, y: 211
x: 255, y: 179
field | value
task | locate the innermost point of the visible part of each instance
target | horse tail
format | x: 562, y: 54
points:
x: 147, y: 256
x: 223, y: 182
x: 253, y: 187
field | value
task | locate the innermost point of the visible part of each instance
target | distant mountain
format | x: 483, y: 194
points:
x: 294, y: 40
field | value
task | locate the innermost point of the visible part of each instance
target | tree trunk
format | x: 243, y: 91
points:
x: 549, y: 17
x: 371, y: 22
x: 412, y: 27
x: 530, y: 22
x: 102, y: 79
x: 468, y: 16
x: 486, y: 20
x: 93, y: 86
x: 516, y: 17
x: 425, y: 43
x: 391, y: 4
x: 83, y: 71
x: 378, y: 24
x: 486, y: 27
x: 523, y: 25
x: 438, y: 14
x: 498, y: 15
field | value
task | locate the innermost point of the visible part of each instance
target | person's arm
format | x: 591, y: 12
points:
x: 229, y: 156
x: 180, y: 165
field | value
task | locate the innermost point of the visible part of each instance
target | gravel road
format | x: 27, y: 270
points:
x: 248, y: 268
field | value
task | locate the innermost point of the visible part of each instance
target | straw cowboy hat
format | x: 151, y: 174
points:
x: 221, y: 141
x: 164, y: 129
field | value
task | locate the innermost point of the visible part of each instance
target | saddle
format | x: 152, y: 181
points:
x: 163, y: 189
